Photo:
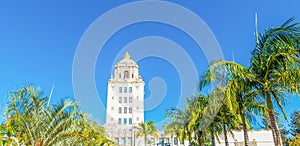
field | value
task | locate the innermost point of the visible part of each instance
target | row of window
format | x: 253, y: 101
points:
x: 125, y: 110
x: 125, y: 121
x: 160, y: 141
x: 126, y: 75
x: 166, y: 140
x: 125, y: 89
x: 123, y: 141
x: 125, y: 100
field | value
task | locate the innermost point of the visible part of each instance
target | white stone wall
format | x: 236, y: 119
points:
x: 260, y: 137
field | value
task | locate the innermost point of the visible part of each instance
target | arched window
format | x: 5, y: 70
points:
x: 126, y: 74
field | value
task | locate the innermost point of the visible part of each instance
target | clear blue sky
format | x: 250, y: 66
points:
x: 38, y: 41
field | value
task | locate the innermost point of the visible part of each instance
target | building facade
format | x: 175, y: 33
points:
x: 125, y: 102
x: 256, y: 138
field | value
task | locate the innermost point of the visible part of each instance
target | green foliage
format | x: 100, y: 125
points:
x: 275, y: 64
x: 295, y: 141
x: 32, y: 122
x: 146, y: 128
x: 295, y: 123
x: 243, y: 92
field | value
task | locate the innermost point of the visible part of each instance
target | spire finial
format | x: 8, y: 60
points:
x: 127, y: 56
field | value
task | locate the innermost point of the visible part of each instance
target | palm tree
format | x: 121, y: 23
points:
x: 41, y: 125
x: 145, y: 129
x: 91, y: 134
x: 238, y: 92
x: 275, y: 64
x: 38, y: 124
x: 197, y: 123
x: 231, y: 78
x: 215, y: 128
x: 228, y: 120
x: 171, y: 130
x: 181, y: 119
x: 8, y: 132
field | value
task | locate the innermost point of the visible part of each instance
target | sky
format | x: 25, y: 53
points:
x: 39, y: 41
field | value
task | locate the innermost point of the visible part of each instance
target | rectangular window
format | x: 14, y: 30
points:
x: 117, y: 140
x: 130, y: 140
x: 166, y: 140
x: 137, y: 119
x: 152, y: 140
x: 120, y: 110
x: 125, y: 110
x: 125, y: 89
x: 119, y: 121
x: 175, y: 140
x: 130, y: 89
x: 137, y: 97
x: 112, y: 108
x: 125, y: 99
x: 120, y: 99
x: 120, y: 89
x: 130, y: 121
x: 130, y: 110
x: 123, y: 141
x: 112, y: 98
x: 125, y: 121
x: 130, y: 99
x: 161, y: 140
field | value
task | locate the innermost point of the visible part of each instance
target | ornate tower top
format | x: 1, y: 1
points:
x: 127, y: 56
x: 126, y: 62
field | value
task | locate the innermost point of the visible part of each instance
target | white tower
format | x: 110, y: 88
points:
x: 125, y: 101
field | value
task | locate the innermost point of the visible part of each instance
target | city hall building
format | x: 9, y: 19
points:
x: 125, y: 102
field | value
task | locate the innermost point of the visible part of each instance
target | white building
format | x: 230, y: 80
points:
x: 256, y: 138
x: 125, y: 102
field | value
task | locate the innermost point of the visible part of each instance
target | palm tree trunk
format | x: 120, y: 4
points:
x: 145, y: 138
x: 38, y: 143
x: 274, y: 127
x: 213, y: 141
x: 134, y: 137
x: 203, y: 139
x: 225, y: 135
x: 190, y: 137
x: 246, y: 136
x: 172, y: 140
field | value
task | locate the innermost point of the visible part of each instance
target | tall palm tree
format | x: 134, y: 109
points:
x: 191, y: 123
x: 178, y: 123
x: 276, y: 66
x: 146, y: 128
x: 225, y: 75
x: 238, y: 95
x: 181, y: 118
x: 197, y: 123
x: 228, y: 120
